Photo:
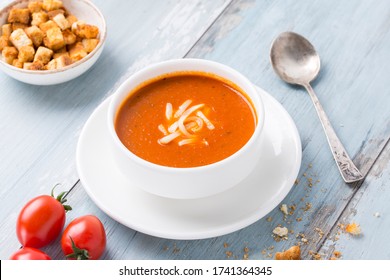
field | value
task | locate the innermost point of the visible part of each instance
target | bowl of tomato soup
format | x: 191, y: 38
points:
x: 186, y: 128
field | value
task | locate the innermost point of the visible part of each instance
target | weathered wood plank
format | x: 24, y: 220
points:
x: 40, y: 125
x: 370, y: 209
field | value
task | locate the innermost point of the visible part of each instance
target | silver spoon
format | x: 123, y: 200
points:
x: 296, y: 61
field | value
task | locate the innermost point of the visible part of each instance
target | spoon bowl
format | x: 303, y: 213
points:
x: 296, y: 61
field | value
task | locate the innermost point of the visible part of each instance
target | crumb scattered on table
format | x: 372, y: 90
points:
x: 280, y: 231
x: 294, y: 253
x: 284, y: 209
x: 353, y: 229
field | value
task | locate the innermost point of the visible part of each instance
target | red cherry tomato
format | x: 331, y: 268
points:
x: 27, y: 253
x: 41, y: 220
x: 84, y: 238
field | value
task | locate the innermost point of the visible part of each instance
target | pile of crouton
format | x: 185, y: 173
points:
x: 45, y: 36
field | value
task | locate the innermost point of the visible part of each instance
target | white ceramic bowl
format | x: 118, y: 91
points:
x: 84, y: 10
x: 194, y: 182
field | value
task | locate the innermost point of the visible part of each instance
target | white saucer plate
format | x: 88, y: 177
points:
x: 212, y: 216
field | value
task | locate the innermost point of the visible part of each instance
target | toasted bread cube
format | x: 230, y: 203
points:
x: 20, y: 39
x: 18, y: 25
x: 50, y: 5
x: 71, y: 19
x: 52, y: 65
x: 85, y: 31
x: 58, y: 54
x: 9, y: 54
x: 61, y: 21
x: 62, y: 50
x: 48, y: 25
x: 37, y: 65
x: 59, y: 62
x: 63, y: 61
x: 19, y: 15
x: 35, y: 34
x: 54, y: 39
x: 89, y: 44
x: 6, y: 30
x: 39, y: 18
x: 26, y: 54
x: 4, y: 42
x: 54, y: 13
x: 26, y: 65
x: 77, y: 52
x: 34, y: 6
x: 43, y: 55
x: 17, y: 63
x: 69, y: 37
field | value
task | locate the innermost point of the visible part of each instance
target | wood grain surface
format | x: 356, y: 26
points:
x: 40, y: 125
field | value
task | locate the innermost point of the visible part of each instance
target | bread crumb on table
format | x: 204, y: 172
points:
x: 284, y: 210
x: 353, y: 229
x: 294, y: 253
x: 280, y: 231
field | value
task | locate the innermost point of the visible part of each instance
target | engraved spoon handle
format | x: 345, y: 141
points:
x: 347, y: 168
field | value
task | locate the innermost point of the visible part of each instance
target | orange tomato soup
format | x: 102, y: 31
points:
x: 185, y: 119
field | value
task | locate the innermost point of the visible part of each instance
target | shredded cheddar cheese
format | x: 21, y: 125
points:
x: 184, y: 124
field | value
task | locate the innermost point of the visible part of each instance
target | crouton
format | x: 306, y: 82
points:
x: 43, y: 55
x: 48, y: 25
x: 52, y: 65
x: 54, y: 39
x: 26, y: 54
x: 37, y: 65
x: 294, y: 253
x: 19, y: 15
x: 69, y: 37
x: 58, y: 54
x: 26, y: 65
x: 20, y: 39
x: 63, y: 61
x: 18, y: 25
x: 59, y: 62
x: 39, y: 18
x: 89, y: 44
x: 9, y: 54
x: 85, y: 31
x: 6, y: 30
x: 50, y: 5
x: 34, y: 6
x: 35, y: 34
x: 71, y: 19
x: 4, y: 42
x: 61, y: 21
x: 17, y: 63
x: 54, y: 13
x: 77, y: 52
x: 62, y: 50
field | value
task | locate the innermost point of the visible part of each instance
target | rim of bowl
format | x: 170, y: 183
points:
x: 102, y: 40
x: 125, y: 86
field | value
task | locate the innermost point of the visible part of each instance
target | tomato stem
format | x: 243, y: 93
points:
x: 61, y: 199
x: 78, y: 254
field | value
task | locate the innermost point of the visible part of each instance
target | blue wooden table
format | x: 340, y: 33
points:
x: 40, y: 126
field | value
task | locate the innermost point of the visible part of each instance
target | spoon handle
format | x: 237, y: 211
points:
x: 348, y: 170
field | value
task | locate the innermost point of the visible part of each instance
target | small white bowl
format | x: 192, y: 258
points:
x: 193, y: 182
x: 84, y: 10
